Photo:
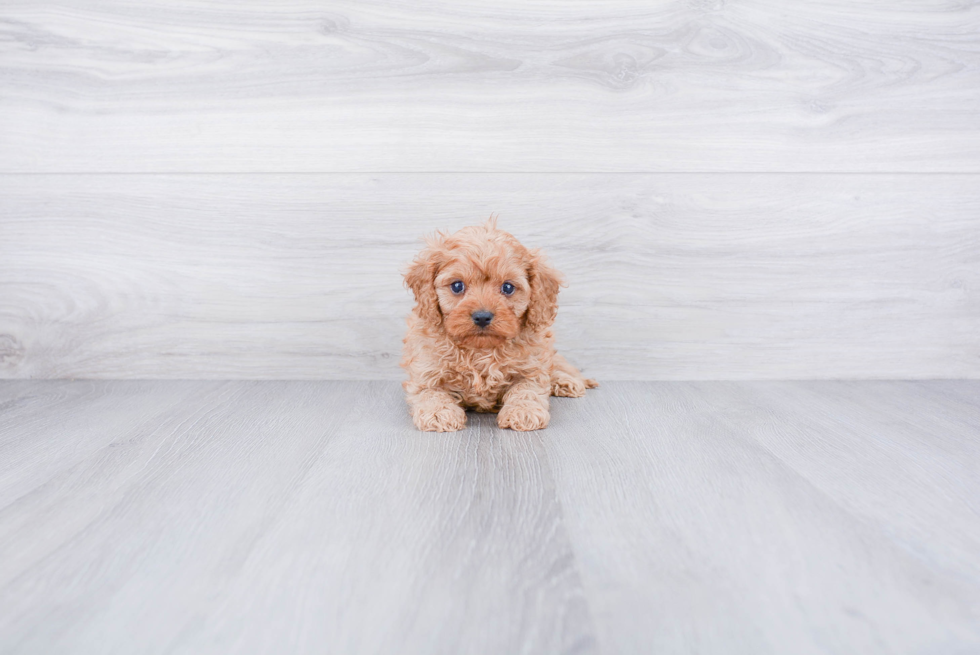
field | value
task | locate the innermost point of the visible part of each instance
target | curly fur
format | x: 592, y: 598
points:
x: 509, y: 367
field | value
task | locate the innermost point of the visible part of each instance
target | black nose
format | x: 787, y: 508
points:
x: 482, y: 318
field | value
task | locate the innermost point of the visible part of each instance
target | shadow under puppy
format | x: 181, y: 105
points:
x: 480, y: 334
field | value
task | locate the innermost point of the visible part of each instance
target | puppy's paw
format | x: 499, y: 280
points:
x: 590, y: 383
x: 441, y: 418
x: 523, y: 417
x: 568, y: 387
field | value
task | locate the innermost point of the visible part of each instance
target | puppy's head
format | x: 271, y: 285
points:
x: 482, y: 287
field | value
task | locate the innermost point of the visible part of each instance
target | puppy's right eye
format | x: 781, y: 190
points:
x: 457, y: 287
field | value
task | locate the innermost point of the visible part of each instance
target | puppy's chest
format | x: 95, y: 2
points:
x: 480, y: 384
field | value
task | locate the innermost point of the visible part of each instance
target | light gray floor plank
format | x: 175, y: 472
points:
x: 355, y: 85
x: 752, y: 517
x: 74, y: 420
x: 891, y: 453
x: 302, y: 517
x: 670, y: 276
x: 774, y: 517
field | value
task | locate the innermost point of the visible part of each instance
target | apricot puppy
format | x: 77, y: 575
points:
x: 480, y: 334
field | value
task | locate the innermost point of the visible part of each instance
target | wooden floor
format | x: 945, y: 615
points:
x: 657, y: 517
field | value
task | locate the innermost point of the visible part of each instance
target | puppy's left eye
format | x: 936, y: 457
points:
x: 506, y: 288
x: 457, y: 287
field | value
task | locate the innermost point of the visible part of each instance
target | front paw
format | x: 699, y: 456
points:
x: 523, y: 417
x: 444, y: 418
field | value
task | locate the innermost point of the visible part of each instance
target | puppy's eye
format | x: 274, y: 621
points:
x: 506, y: 288
x: 457, y: 287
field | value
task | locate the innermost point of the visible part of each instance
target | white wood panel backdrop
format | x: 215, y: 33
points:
x: 754, y: 273
x: 672, y: 276
x: 432, y: 85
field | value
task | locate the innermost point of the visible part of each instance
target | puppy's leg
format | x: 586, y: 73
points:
x: 526, y: 406
x: 436, y: 411
x: 566, y: 380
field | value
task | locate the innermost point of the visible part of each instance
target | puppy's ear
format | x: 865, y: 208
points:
x: 421, y: 279
x: 543, y: 304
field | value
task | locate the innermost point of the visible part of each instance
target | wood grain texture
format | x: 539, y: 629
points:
x: 707, y: 276
x: 751, y: 517
x: 775, y: 517
x: 694, y: 85
x: 206, y: 517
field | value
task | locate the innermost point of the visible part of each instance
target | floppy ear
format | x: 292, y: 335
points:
x: 543, y: 304
x: 421, y: 278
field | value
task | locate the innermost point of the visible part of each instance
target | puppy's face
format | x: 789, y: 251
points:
x: 482, y: 287
x: 482, y: 300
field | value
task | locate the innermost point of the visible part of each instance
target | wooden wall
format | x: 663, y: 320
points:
x: 733, y: 190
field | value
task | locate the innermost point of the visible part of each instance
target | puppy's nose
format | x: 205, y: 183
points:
x: 482, y: 318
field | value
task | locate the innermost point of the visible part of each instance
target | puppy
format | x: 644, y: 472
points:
x: 480, y: 335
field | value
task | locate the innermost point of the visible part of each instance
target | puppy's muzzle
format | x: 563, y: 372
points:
x: 482, y: 318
